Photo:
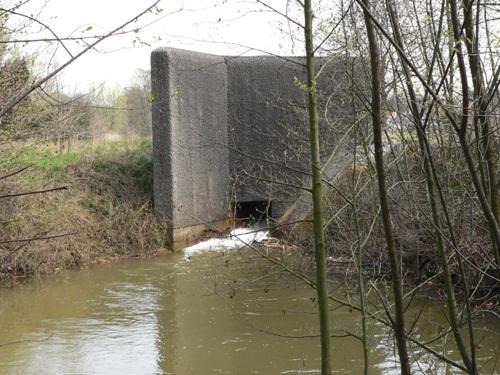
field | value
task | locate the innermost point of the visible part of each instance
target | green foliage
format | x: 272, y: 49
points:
x: 47, y: 158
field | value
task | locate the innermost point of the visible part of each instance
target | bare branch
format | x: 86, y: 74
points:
x: 38, y: 238
x: 13, y: 195
x: 40, y: 82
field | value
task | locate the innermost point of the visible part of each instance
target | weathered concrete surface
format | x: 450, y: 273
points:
x: 191, y: 163
x: 234, y: 129
x: 268, y: 124
x: 266, y: 128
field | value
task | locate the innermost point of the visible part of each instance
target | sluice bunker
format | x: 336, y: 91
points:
x: 230, y: 135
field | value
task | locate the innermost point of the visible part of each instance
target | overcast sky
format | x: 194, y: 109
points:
x: 213, y: 26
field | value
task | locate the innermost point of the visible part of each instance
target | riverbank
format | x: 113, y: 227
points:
x: 100, y: 209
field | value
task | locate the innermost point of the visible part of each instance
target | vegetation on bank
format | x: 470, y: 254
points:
x: 104, y: 211
x: 353, y: 227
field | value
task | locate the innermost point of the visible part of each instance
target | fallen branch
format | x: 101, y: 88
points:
x: 38, y: 238
x: 13, y: 195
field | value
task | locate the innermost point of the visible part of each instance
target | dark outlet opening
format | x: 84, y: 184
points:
x: 252, y: 211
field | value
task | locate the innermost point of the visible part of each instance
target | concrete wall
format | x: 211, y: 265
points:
x: 191, y: 163
x: 268, y: 122
x: 266, y: 127
x: 225, y: 127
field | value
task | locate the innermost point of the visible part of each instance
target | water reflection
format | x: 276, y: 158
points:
x: 214, y: 314
x: 89, y: 323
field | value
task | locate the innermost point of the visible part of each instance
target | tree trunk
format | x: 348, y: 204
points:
x: 317, y: 195
x: 399, y: 322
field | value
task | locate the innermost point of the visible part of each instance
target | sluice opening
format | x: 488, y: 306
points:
x: 252, y: 212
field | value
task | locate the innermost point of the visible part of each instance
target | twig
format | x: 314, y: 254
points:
x: 39, y: 238
x: 342, y: 335
x: 40, y: 82
x: 14, y: 173
x: 13, y: 195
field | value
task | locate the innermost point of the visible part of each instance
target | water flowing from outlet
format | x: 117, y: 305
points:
x: 238, y: 238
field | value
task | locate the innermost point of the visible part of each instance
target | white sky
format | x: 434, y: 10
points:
x: 201, y: 25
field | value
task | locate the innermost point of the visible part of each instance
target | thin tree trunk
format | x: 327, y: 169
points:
x: 426, y: 155
x: 485, y: 139
x: 317, y: 195
x: 462, y: 131
x: 399, y: 322
x: 359, y: 260
x: 358, y: 256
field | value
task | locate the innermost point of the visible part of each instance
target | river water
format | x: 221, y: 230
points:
x: 214, y: 313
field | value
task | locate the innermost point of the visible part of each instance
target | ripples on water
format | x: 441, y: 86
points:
x: 211, y: 313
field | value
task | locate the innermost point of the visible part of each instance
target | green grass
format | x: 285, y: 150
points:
x: 47, y: 157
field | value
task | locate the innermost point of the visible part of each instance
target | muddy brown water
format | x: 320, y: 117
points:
x: 229, y: 313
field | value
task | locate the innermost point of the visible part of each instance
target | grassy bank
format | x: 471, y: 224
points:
x: 104, y: 213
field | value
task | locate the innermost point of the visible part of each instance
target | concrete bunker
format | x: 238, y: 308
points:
x: 230, y: 133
